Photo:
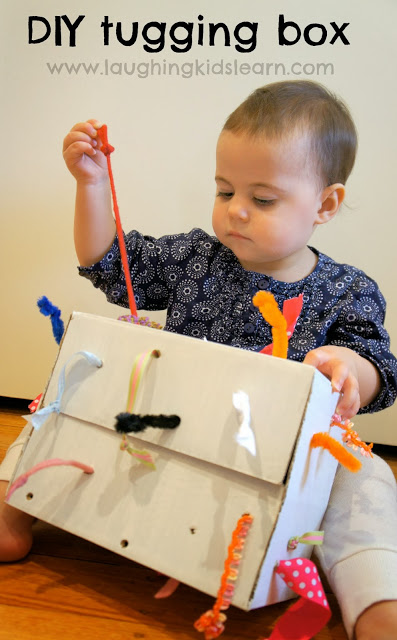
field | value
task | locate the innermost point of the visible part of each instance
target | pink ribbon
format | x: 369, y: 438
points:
x: 167, y: 589
x: 54, y: 462
x: 311, y: 612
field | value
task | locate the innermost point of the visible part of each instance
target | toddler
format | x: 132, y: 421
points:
x: 282, y: 162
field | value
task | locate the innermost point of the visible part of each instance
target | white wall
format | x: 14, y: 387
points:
x: 164, y: 130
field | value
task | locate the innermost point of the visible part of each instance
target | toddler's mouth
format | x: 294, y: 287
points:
x: 236, y: 234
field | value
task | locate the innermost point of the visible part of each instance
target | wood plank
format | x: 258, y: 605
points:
x: 48, y: 625
x: 8, y: 433
x: 68, y: 594
x: 11, y: 421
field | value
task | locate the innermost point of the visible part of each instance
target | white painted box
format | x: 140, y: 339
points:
x: 178, y: 519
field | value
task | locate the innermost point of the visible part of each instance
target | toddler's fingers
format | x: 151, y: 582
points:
x: 75, y: 136
x: 339, y: 374
x: 349, y: 401
x: 74, y: 152
x: 334, y: 368
x: 87, y: 124
x: 319, y: 358
x: 95, y: 123
x: 89, y: 127
x: 347, y: 413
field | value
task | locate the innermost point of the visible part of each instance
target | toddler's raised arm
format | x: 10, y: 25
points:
x: 94, y: 226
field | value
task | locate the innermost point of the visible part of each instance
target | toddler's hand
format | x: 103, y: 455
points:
x: 80, y: 153
x: 338, y: 364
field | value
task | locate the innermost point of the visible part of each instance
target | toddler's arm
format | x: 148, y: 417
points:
x: 354, y: 377
x: 94, y: 227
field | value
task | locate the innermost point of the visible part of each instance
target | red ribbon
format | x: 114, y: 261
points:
x: 291, y: 311
x: 35, y: 403
x: 311, y: 612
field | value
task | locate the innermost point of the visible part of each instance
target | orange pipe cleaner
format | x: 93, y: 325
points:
x: 211, y: 622
x: 268, y: 307
x: 107, y: 149
x: 346, y: 458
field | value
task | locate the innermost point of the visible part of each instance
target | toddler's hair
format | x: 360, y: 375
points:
x: 281, y: 109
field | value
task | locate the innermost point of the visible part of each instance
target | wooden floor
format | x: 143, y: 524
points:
x: 69, y: 588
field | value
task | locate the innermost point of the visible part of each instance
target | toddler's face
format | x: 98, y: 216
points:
x: 267, y: 202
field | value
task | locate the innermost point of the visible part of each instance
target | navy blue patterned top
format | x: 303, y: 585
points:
x: 208, y: 294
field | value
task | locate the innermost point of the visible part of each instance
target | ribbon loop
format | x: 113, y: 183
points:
x: 54, y: 462
x: 41, y: 416
x: 140, y: 364
x: 310, y: 537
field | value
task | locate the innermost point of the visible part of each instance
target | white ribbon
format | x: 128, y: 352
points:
x: 38, y: 418
x: 245, y: 436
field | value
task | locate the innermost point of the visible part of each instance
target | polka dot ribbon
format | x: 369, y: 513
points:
x: 311, y: 612
x: 35, y: 403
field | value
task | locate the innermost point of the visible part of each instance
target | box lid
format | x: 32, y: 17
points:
x: 193, y: 379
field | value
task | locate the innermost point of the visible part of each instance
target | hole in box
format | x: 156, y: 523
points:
x: 29, y: 496
x: 124, y: 544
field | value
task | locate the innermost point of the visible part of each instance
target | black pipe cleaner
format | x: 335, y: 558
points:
x: 132, y: 422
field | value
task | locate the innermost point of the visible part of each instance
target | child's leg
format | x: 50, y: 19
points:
x: 15, y: 526
x: 15, y: 530
x: 377, y: 622
x: 359, y: 555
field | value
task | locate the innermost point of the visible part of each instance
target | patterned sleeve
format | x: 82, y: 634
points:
x: 360, y: 327
x: 154, y: 266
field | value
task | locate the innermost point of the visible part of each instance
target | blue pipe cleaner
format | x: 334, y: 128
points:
x: 48, y: 309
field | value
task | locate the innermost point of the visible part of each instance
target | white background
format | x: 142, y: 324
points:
x: 165, y: 130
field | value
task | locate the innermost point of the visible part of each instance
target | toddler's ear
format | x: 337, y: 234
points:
x: 331, y: 200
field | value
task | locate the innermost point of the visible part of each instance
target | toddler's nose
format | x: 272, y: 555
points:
x: 238, y: 210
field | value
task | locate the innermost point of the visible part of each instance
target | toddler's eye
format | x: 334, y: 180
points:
x: 263, y: 202
x: 224, y: 194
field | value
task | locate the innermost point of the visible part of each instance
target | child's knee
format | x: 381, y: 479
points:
x: 378, y: 622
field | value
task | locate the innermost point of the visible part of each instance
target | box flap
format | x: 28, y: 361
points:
x: 193, y: 379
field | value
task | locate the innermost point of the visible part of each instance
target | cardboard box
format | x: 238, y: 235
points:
x: 179, y: 518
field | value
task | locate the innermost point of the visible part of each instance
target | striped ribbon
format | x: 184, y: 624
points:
x: 139, y: 367
x: 140, y: 364
x: 310, y: 537
x: 140, y: 454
